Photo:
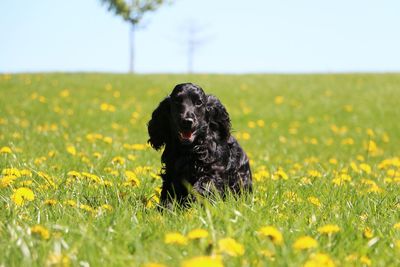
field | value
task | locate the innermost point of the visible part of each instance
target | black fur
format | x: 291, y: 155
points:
x: 200, y: 153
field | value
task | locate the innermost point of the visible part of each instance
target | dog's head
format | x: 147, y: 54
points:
x: 187, y: 114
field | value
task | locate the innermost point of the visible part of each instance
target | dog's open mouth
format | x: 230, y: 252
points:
x: 187, y: 136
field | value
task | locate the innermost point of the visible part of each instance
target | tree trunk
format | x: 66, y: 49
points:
x: 131, y: 48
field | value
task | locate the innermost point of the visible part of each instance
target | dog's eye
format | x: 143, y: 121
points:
x: 199, y: 103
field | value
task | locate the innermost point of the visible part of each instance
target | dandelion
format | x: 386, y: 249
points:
x: 260, y: 123
x: 329, y: 229
x: 97, y: 155
x: 71, y: 150
x: 40, y: 231
x: 131, y: 179
x: 365, y: 167
x: 280, y: 174
x: 86, y: 208
x: 71, y: 203
x: 107, y: 140
x: 365, y: 260
x: 341, y: 179
x: 64, y: 93
x: 118, y: 160
x: 279, y: 100
x: 7, y: 181
x: 272, y: 233
x: 22, y: 195
x: 292, y: 196
x: 314, y: 174
x: 152, y: 201
x: 197, y: 234
x: 251, y: 124
x: 175, y: 238
x: 368, y: 233
x: 319, y: 260
x: 50, y: 202
x: 106, y: 207
x: 305, y: 242
x: 231, y: 247
x: 396, y: 226
x: 56, y: 259
x: 245, y: 136
x: 5, y: 150
x: 203, y: 261
x: 315, y: 201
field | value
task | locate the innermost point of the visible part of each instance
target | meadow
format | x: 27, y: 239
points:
x: 79, y: 185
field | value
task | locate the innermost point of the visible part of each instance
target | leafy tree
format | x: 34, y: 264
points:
x: 132, y: 12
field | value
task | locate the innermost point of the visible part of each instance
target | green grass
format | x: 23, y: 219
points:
x: 312, y: 128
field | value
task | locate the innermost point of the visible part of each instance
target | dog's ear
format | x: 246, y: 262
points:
x: 158, y: 127
x: 218, y: 118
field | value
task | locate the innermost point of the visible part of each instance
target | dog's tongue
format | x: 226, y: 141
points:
x: 187, y: 134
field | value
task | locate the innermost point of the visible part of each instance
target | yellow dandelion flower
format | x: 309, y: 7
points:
x: 175, y: 238
x: 365, y: 167
x: 260, y: 123
x: 314, y: 174
x: 305, y: 242
x: 333, y: 161
x: 315, y: 201
x: 203, y: 261
x: 231, y: 247
x: 56, y: 259
x: 7, y: 180
x: 348, y: 141
x: 106, y: 207
x: 272, y: 233
x: 319, y: 260
x: 329, y: 229
x: 86, y: 208
x: 279, y: 100
x: 64, y: 93
x: 131, y: 179
x: 368, y: 233
x: 251, y: 124
x: 365, y: 260
x: 104, y: 106
x: 107, y: 140
x: 371, y: 146
x: 71, y: 150
x: 280, y: 174
x: 118, y: 160
x: 396, y: 226
x: 21, y: 195
x: 152, y: 201
x: 50, y: 202
x: 245, y: 136
x: 197, y: 234
x: 5, y: 150
x: 341, y: 179
x: 40, y: 231
x: 71, y: 203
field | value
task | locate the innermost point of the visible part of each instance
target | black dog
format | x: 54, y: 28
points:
x: 200, y: 152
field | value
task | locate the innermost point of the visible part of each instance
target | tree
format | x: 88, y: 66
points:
x: 132, y: 12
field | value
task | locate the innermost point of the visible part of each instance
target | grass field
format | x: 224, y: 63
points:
x: 79, y: 185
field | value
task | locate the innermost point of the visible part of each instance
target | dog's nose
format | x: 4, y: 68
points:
x: 187, y: 123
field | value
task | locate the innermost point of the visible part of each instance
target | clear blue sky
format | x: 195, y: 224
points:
x: 240, y: 36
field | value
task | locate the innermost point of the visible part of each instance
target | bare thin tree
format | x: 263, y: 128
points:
x: 132, y: 11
